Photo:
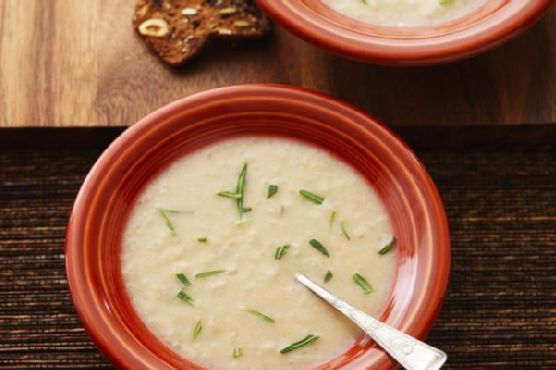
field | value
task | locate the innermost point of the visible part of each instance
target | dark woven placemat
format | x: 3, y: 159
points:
x: 501, y: 306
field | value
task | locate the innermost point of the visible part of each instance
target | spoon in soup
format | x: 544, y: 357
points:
x: 411, y: 353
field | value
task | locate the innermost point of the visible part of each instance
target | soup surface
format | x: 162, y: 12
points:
x: 237, y: 304
x: 404, y: 13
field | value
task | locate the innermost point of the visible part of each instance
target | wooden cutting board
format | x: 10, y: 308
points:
x: 79, y: 63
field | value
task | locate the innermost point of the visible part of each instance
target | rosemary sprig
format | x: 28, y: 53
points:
x: 240, y: 189
x: 331, y: 220
x: 344, y: 231
x: 281, y: 251
x: 231, y: 195
x: 329, y: 275
x: 388, y: 247
x: 237, y: 352
x: 175, y: 211
x: 185, y: 297
x: 300, y: 344
x: 239, y: 194
x: 197, y: 329
x: 169, y: 224
x: 259, y: 315
x: 272, y: 190
x: 363, y: 283
x: 183, y: 279
x: 209, y: 273
x: 202, y: 239
x: 318, y: 246
x: 317, y: 199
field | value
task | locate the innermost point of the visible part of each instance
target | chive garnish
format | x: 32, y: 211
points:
x: 302, y: 343
x: 209, y: 273
x: 388, y: 247
x: 328, y: 276
x: 239, y: 193
x: 240, y: 189
x: 363, y: 283
x: 185, y: 297
x: 248, y: 209
x: 237, y: 352
x: 272, y: 190
x: 281, y: 251
x: 229, y: 194
x: 184, y: 280
x: 332, y: 219
x: 169, y: 224
x: 317, y: 199
x: 202, y: 239
x: 318, y: 246
x: 197, y: 329
x: 344, y: 231
x: 259, y: 315
x: 175, y: 211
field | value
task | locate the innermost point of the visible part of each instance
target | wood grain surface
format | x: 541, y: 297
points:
x: 67, y: 62
x: 500, y: 311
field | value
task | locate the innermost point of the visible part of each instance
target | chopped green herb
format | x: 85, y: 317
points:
x: 302, y: 343
x: 318, y: 246
x: 328, y: 276
x: 317, y: 199
x: 388, y: 247
x: 169, y: 224
x: 197, y: 329
x: 272, y: 190
x: 184, y: 280
x: 237, y: 352
x: 202, y: 239
x: 259, y: 314
x: 245, y: 210
x: 209, y: 273
x: 281, y: 251
x: 185, y: 297
x: 229, y: 194
x: 176, y: 211
x: 344, y: 231
x: 441, y: 2
x: 239, y: 193
x: 332, y: 219
x: 240, y: 189
x: 363, y: 283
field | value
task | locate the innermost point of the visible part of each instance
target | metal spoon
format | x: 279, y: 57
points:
x: 411, y: 353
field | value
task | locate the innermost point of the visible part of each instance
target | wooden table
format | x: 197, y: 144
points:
x: 68, y: 62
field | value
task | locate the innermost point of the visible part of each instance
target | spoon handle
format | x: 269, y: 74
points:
x: 411, y: 353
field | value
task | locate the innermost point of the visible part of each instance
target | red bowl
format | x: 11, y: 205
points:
x: 102, y: 207
x: 475, y: 32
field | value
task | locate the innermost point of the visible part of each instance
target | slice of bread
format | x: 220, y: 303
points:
x: 178, y: 29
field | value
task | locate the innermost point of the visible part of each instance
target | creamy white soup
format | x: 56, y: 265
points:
x: 404, y: 13
x: 213, y: 243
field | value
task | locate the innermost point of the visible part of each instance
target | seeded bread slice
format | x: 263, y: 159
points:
x: 178, y: 29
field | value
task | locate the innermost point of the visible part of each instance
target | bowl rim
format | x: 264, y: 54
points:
x: 481, y: 36
x: 75, y: 269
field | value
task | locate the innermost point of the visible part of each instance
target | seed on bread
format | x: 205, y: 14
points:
x: 189, y: 11
x: 227, y: 11
x: 241, y: 24
x: 154, y: 27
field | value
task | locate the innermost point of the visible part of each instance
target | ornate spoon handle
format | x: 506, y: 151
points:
x: 411, y: 353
